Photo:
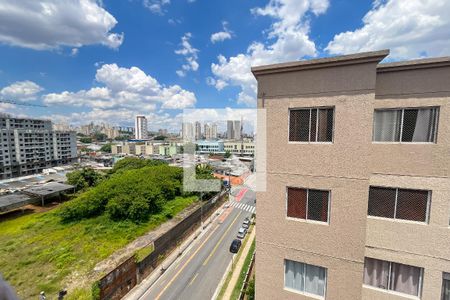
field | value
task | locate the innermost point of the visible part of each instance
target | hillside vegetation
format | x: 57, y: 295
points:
x: 49, y: 250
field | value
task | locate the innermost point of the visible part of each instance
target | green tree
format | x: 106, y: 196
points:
x: 106, y: 148
x: 100, y: 137
x: 130, y: 163
x: 227, y: 154
x: 86, y: 140
x: 160, y: 138
x: 123, y: 137
x: 84, y: 178
x: 133, y: 194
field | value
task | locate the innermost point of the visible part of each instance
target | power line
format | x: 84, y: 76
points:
x: 21, y: 103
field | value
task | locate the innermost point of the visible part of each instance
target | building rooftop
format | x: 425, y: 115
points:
x: 364, y: 57
x: 13, y: 201
x: 434, y: 62
x: 48, y: 189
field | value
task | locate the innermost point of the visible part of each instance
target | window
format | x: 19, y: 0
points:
x: 405, y: 125
x: 311, y: 125
x: 393, y: 276
x: 308, y: 204
x: 402, y: 204
x: 445, y: 287
x: 305, y: 278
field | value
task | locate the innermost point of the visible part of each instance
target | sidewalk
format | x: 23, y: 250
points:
x: 238, y: 266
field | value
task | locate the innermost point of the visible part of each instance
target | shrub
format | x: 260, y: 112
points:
x: 132, y: 195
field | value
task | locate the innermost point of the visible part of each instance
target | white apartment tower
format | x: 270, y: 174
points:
x: 141, y: 128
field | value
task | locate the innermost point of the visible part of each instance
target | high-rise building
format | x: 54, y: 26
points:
x: 140, y: 131
x: 187, y: 131
x: 234, y: 129
x: 198, y: 130
x: 358, y: 179
x: 28, y: 146
x: 208, y: 131
x: 214, y: 131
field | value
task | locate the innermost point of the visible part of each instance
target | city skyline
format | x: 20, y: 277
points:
x: 156, y: 57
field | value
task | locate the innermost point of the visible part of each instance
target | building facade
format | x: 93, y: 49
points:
x: 210, y: 147
x: 140, y: 128
x: 357, y: 203
x: 246, y: 147
x: 30, y: 145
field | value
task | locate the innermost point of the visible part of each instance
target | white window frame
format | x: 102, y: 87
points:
x: 389, y: 290
x: 402, y: 109
x: 304, y: 281
x: 309, y: 129
x: 427, y: 213
x: 306, y: 209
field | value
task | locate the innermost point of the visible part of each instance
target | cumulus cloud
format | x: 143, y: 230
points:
x: 190, y: 55
x: 223, y: 35
x: 156, y: 6
x: 125, y: 91
x: 411, y: 29
x: 21, y: 90
x: 289, y: 40
x: 49, y: 24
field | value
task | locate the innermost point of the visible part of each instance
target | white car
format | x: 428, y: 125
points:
x: 242, y: 232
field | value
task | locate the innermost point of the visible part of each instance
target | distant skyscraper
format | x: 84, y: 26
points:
x: 214, y: 131
x: 141, y: 128
x: 188, y: 132
x: 207, y: 131
x: 198, y: 130
x: 237, y: 129
x: 230, y: 130
x: 234, y: 129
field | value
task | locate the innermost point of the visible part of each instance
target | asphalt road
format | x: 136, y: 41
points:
x: 199, y: 271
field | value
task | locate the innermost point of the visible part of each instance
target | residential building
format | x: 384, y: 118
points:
x: 187, y: 131
x: 214, y: 131
x: 170, y: 149
x: 210, y: 146
x: 28, y: 146
x: 140, y: 128
x: 234, y: 129
x: 245, y: 147
x: 358, y: 189
x: 208, y: 131
x: 135, y: 148
x: 198, y: 131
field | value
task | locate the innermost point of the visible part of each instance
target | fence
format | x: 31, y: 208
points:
x: 121, y: 280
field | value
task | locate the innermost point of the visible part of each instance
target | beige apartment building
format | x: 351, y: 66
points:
x: 357, y: 203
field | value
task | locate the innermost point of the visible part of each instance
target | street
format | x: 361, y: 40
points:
x: 199, y: 271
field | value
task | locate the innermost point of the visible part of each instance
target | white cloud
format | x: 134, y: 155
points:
x: 289, y: 36
x: 127, y: 89
x: 50, y: 24
x: 190, y: 54
x: 156, y: 6
x: 411, y: 29
x: 21, y: 90
x: 223, y: 35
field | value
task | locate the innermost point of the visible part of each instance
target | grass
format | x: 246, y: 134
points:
x: 39, y: 252
x: 245, y: 267
x: 144, y: 252
x: 230, y: 273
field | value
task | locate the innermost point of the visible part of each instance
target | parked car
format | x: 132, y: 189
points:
x: 246, y: 223
x: 242, y: 232
x: 235, y: 245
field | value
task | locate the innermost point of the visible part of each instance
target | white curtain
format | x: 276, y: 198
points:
x: 386, y: 127
x: 315, y: 280
x: 405, y: 279
x: 376, y: 273
x: 424, y: 130
x: 294, y: 274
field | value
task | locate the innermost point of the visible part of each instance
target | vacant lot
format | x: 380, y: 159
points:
x: 39, y: 252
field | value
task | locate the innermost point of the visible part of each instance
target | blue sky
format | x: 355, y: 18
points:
x: 106, y: 61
